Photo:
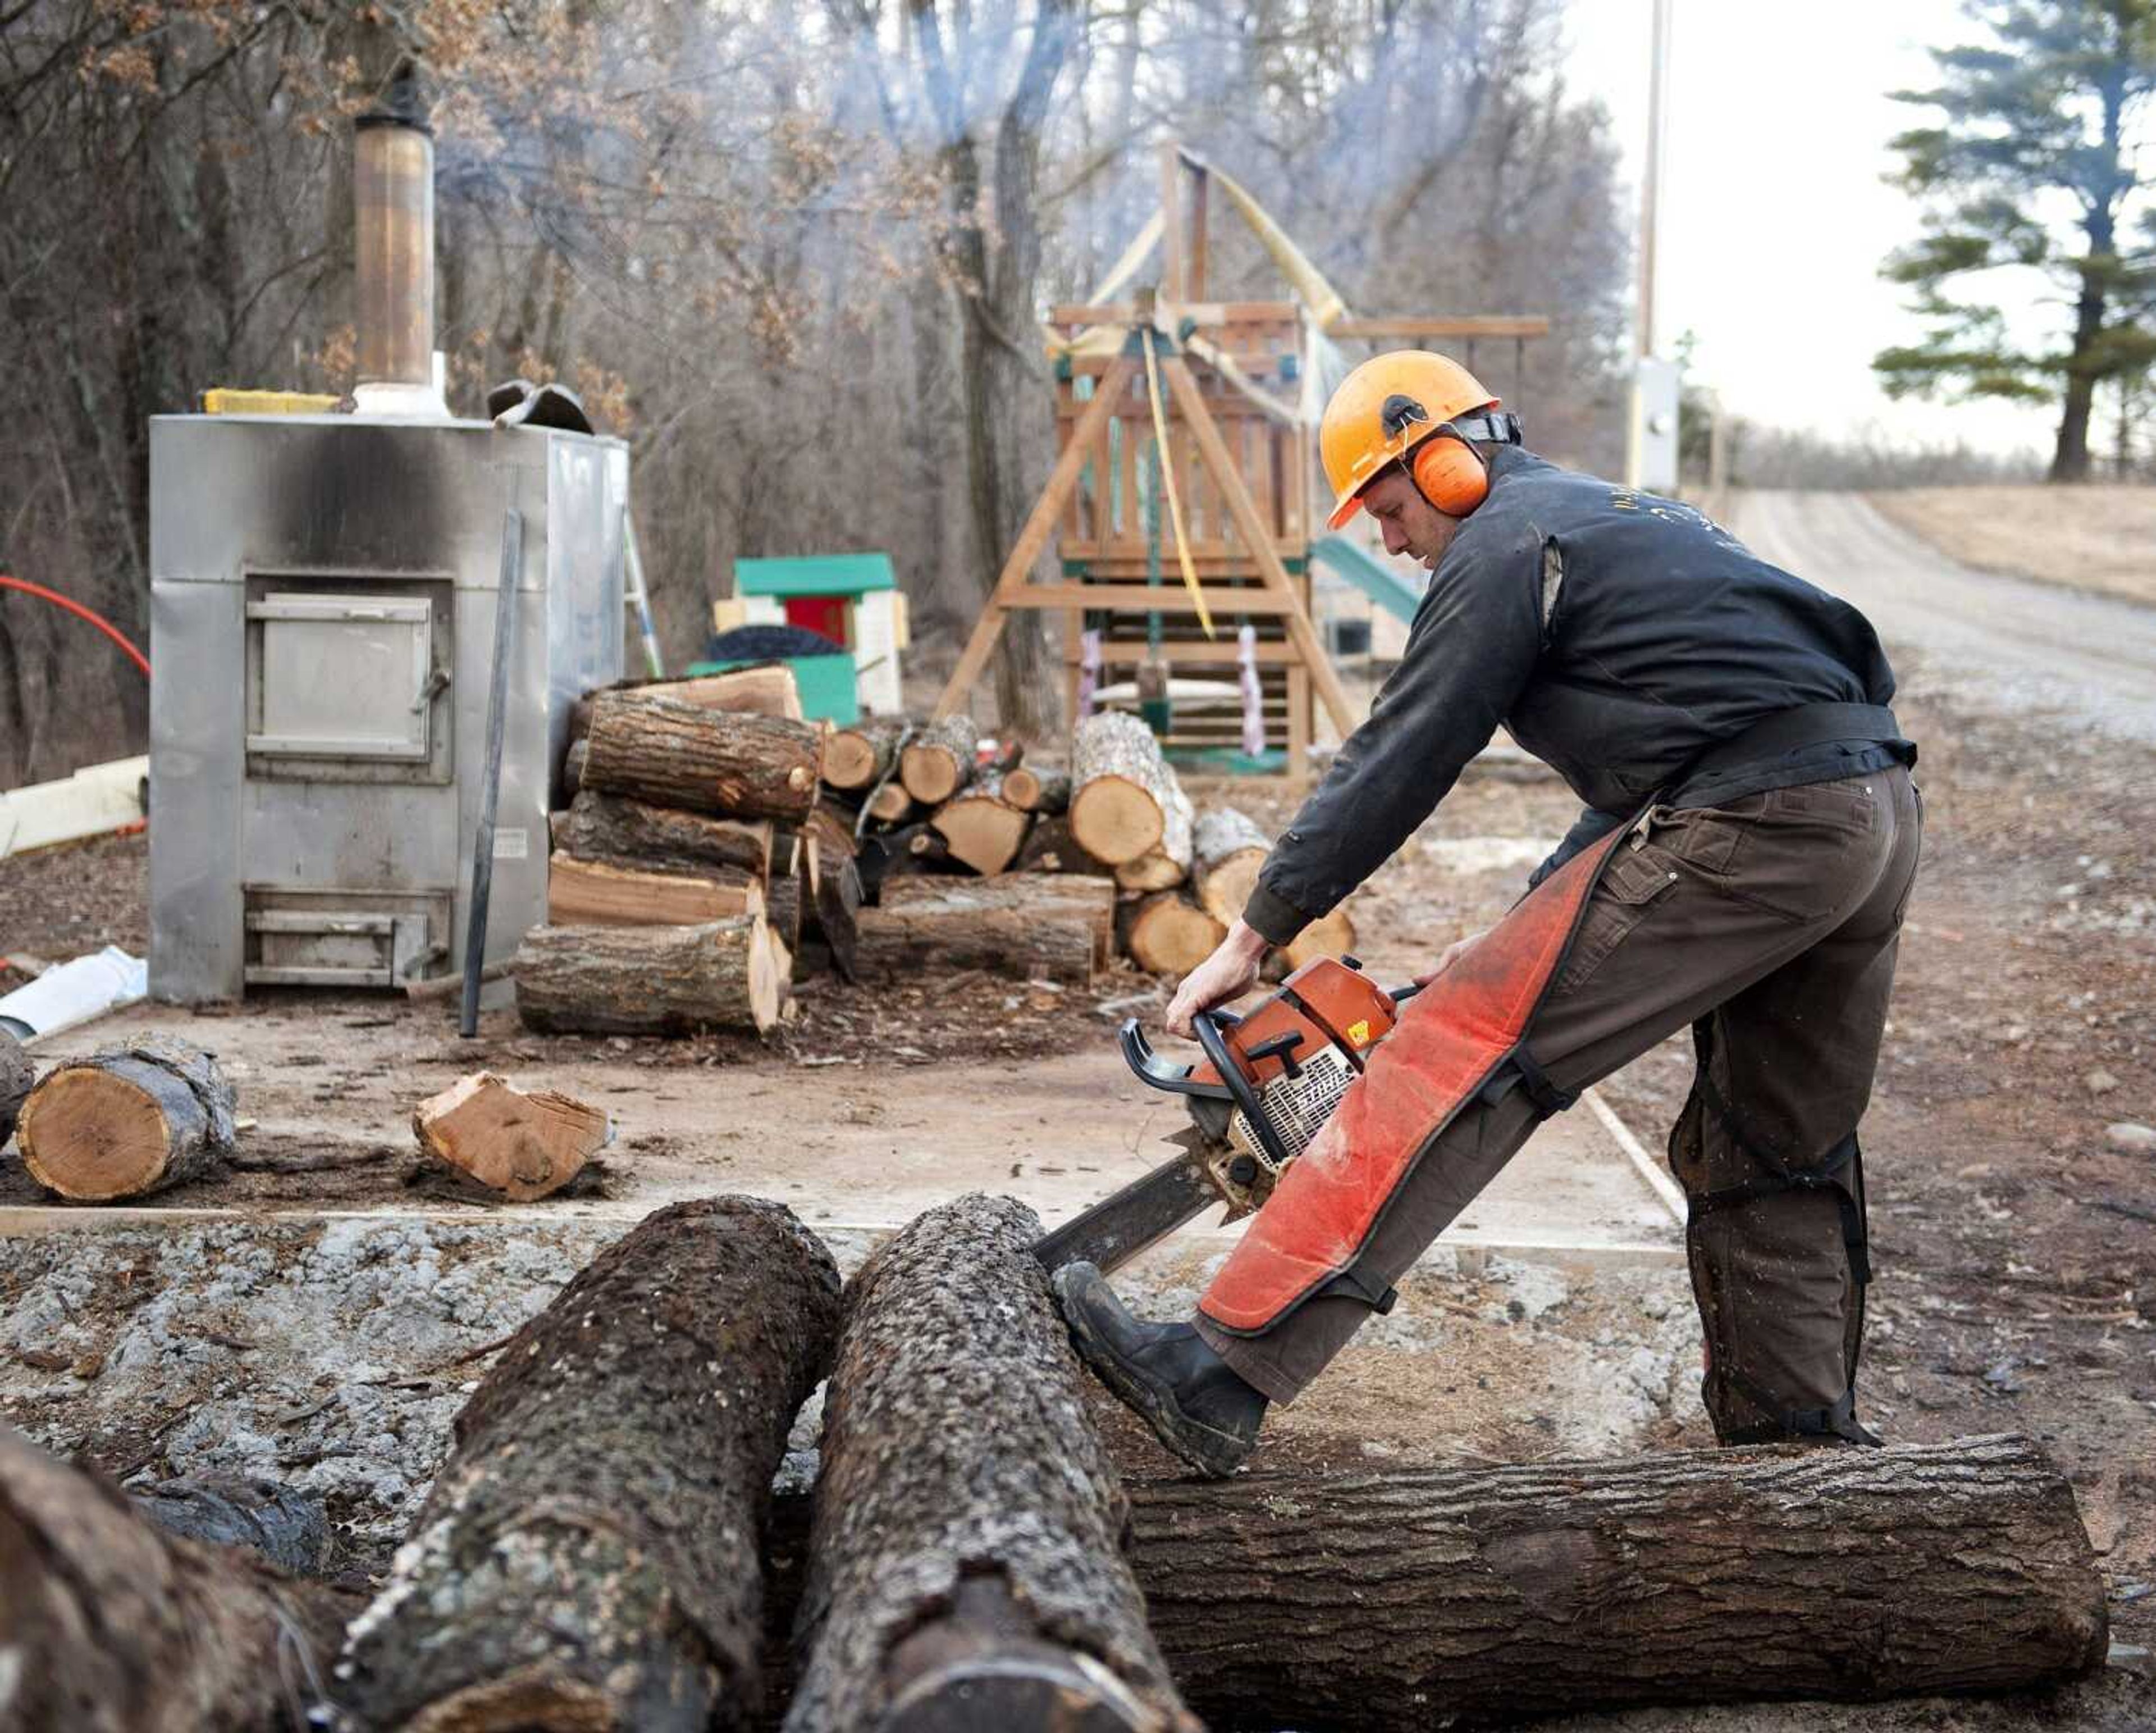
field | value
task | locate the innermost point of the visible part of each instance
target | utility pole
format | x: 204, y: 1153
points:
x: 1654, y: 394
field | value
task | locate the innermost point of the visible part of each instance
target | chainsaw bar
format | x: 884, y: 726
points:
x: 1144, y: 1213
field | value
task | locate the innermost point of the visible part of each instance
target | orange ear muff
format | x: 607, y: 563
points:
x: 1450, y: 473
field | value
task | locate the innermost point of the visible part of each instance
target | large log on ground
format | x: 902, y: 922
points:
x: 1397, y: 1599
x: 660, y: 839
x: 1124, y: 797
x: 859, y: 756
x: 722, y: 761
x: 1031, y: 787
x: 770, y: 690
x: 18, y: 1073
x: 1167, y: 934
x: 649, y: 980
x: 108, y: 1624
x: 589, y: 1557
x: 1227, y: 850
x: 1024, y: 924
x: 966, y: 1571
x: 128, y: 1121
x: 592, y: 893
x: 983, y: 830
x: 939, y: 760
x: 524, y: 1146
x: 290, y: 1528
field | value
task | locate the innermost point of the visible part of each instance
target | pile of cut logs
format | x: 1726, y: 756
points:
x: 717, y: 847
x: 603, y: 1548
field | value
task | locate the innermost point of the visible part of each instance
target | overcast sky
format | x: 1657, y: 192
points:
x: 1775, y: 215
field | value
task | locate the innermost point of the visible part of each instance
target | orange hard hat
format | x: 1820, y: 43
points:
x: 1388, y: 406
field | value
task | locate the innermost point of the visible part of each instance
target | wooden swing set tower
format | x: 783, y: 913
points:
x: 1221, y: 381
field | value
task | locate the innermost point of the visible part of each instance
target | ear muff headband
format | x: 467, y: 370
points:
x: 1452, y: 474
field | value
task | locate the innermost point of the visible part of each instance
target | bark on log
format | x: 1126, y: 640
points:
x: 1167, y: 934
x: 285, y: 1527
x: 1124, y: 797
x: 722, y: 761
x: 938, y: 761
x: 111, y: 1625
x: 1227, y: 851
x: 965, y: 1569
x: 1167, y: 863
x: 623, y: 832
x: 649, y: 980
x: 523, y: 1146
x: 1403, y: 1598
x: 837, y: 917
x: 983, y: 830
x: 1021, y: 924
x: 18, y: 1072
x: 831, y: 827
x: 591, y: 893
x: 1030, y: 788
x: 127, y: 1122
x: 573, y: 762
x: 1049, y: 847
x: 589, y: 1555
x: 769, y: 690
x: 859, y: 755
x: 789, y: 895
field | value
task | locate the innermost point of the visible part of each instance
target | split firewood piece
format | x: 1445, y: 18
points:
x: 591, y: 893
x: 1032, y: 788
x: 649, y: 980
x: 722, y: 761
x: 788, y: 898
x: 1330, y: 935
x: 965, y: 1568
x: 589, y: 1557
x: 768, y: 690
x: 111, y: 1625
x: 623, y: 832
x: 983, y: 830
x: 1227, y: 851
x: 832, y: 827
x: 1022, y: 924
x: 861, y: 754
x: 1549, y: 1588
x: 1167, y: 934
x: 127, y: 1122
x: 1049, y: 847
x: 18, y: 1072
x: 1124, y: 797
x: 835, y: 917
x: 524, y: 1146
x: 1167, y: 863
x: 939, y: 760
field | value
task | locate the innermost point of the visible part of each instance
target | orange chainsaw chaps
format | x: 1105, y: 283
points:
x: 1451, y: 1038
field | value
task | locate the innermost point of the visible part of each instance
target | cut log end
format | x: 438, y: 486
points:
x: 91, y: 1136
x: 1331, y: 935
x: 1116, y: 819
x: 1168, y: 935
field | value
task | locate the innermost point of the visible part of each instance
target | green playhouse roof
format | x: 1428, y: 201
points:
x: 822, y: 574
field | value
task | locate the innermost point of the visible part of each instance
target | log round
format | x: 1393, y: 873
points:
x: 127, y: 1122
x: 1122, y: 791
x: 649, y: 980
x: 1167, y: 934
x: 983, y: 829
x: 722, y: 761
x: 966, y: 1571
x: 589, y: 1557
x: 939, y: 760
x: 1409, y: 1598
x: 1330, y: 935
x: 18, y: 1073
x: 890, y: 803
x: 108, y: 1624
x: 624, y: 832
x: 1227, y: 851
x: 1031, y: 789
x: 859, y: 755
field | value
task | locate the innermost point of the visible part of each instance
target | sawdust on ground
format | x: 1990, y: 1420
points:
x: 2090, y: 536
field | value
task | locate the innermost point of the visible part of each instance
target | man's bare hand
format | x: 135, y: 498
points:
x: 1230, y: 972
x: 1451, y: 955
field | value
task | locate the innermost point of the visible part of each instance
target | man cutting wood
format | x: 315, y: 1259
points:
x: 1747, y: 851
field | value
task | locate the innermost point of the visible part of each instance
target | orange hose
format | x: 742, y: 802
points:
x: 99, y: 621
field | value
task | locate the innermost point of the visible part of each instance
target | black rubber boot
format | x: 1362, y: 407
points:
x: 1167, y: 1372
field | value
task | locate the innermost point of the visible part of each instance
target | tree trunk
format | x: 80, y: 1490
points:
x: 2070, y: 457
x: 1124, y: 797
x: 649, y: 980
x: 983, y: 829
x: 859, y: 755
x: 966, y: 1569
x: 18, y: 1072
x: 623, y: 832
x: 1026, y: 925
x: 721, y: 761
x: 1399, y: 1599
x: 524, y: 1146
x: 938, y: 761
x: 590, y: 893
x: 589, y: 1555
x: 1167, y: 934
x: 111, y: 1625
x: 1227, y: 851
x: 1031, y: 789
x: 127, y: 1122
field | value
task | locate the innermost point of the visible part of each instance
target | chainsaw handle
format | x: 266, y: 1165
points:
x: 1151, y: 1068
x: 1210, y: 1026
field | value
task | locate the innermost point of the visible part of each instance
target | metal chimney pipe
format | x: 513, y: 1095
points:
x: 393, y: 193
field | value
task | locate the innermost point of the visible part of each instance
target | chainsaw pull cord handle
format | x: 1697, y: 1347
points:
x: 1210, y: 1027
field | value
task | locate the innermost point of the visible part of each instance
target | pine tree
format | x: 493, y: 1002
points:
x: 2034, y: 166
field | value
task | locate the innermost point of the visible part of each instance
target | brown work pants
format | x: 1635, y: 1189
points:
x: 1769, y: 925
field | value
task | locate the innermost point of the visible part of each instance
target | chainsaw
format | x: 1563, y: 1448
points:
x: 1268, y: 1083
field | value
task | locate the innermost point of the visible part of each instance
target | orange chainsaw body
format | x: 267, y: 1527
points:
x: 1325, y: 1003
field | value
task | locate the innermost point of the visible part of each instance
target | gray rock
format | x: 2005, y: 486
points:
x: 2133, y: 1137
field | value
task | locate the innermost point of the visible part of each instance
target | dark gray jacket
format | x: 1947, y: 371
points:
x: 1617, y: 635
